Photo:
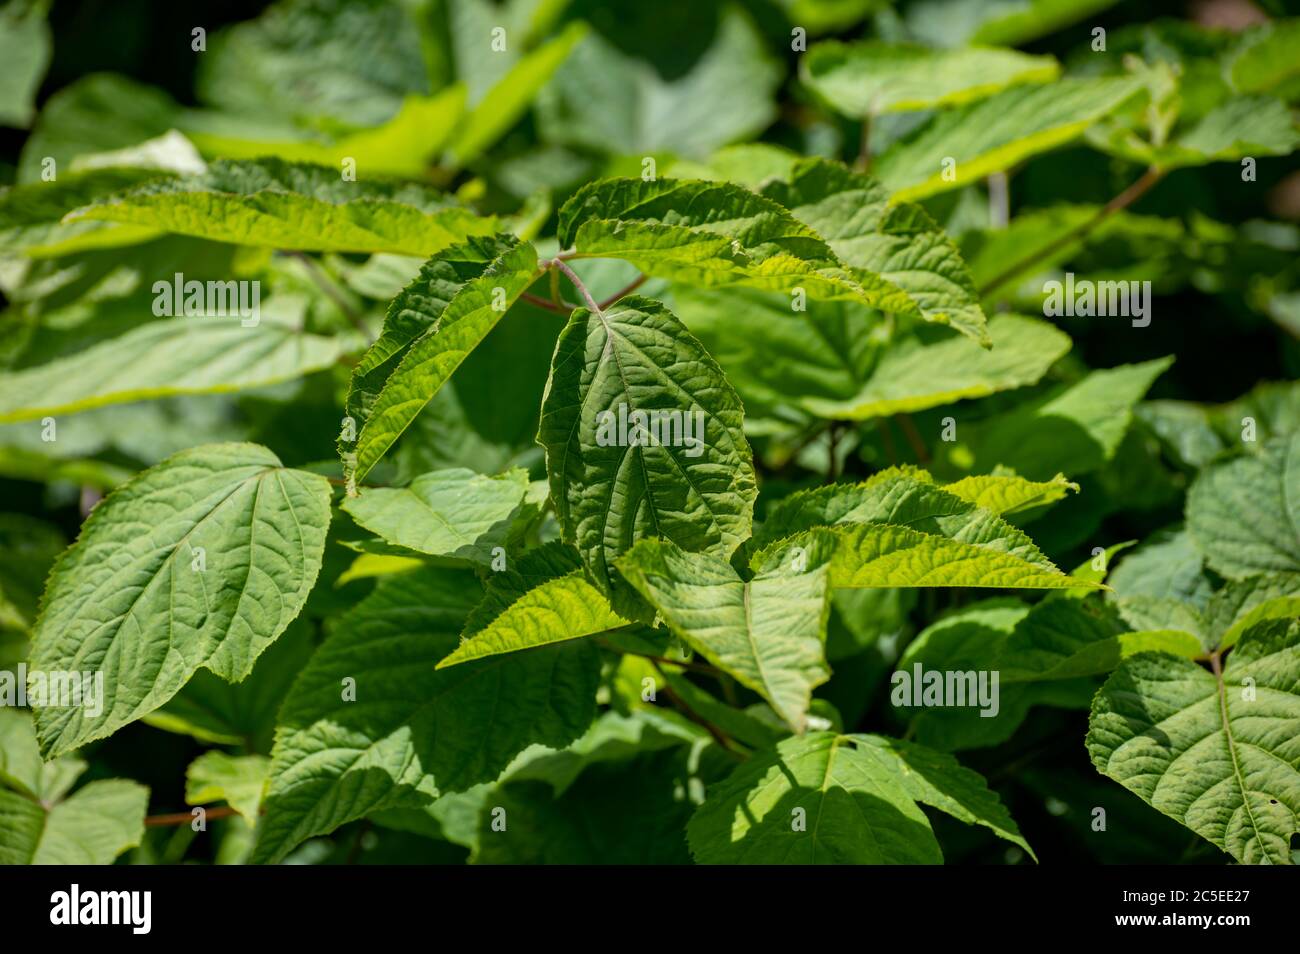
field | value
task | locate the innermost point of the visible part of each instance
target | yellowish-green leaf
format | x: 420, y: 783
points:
x: 543, y: 599
x: 904, y: 262
x: 275, y: 204
x: 1003, y: 494
x: 235, y: 779
x: 876, y: 555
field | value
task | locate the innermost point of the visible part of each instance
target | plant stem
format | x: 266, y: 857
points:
x: 863, y: 163
x: 557, y: 304
x: 340, y: 482
x: 561, y: 308
x: 1139, y: 188
x: 999, y: 200
x: 184, y: 818
x: 594, y: 305
x: 556, y: 297
x: 833, y: 442
x: 90, y: 496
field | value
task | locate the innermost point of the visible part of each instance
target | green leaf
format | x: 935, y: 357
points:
x: 905, y: 263
x: 612, y: 739
x: 709, y: 234
x: 1023, y: 349
x: 416, y: 307
x: 431, y: 328
x: 236, y: 779
x: 276, y: 204
x: 780, y: 359
x: 97, y: 113
x: 901, y: 498
x: 92, y: 827
x: 24, y: 56
x: 39, y: 825
x: 1057, y: 641
x: 696, y: 489
x: 1216, y: 623
x: 1013, y: 263
x: 1214, y: 620
x: 871, y: 77
x: 1242, y: 603
x: 956, y: 22
x: 370, y: 724
x: 21, y: 766
x: 1244, y: 514
x: 1004, y: 494
x: 750, y: 164
x: 171, y: 152
x: 841, y: 799
x: 1264, y: 58
x: 828, y: 16
x: 543, y: 599
x: 1195, y: 434
x: 31, y: 215
x: 312, y: 61
x: 1063, y: 638
x: 1167, y: 565
x: 509, y: 97
x: 201, y: 561
x: 213, y: 710
x: 193, y: 355
x: 768, y: 632
x: 632, y: 813
x: 1246, y: 126
x: 452, y: 513
x: 1214, y: 752
x: 995, y: 134
x: 875, y: 555
x: 635, y: 110
x: 1073, y: 429
x: 1241, y: 126
x: 28, y: 547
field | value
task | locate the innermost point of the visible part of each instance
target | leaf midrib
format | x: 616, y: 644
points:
x: 1221, y: 691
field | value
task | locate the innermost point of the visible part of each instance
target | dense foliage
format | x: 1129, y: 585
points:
x: 542, y: 432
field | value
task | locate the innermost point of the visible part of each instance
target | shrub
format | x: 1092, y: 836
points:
x: 709, y: 433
